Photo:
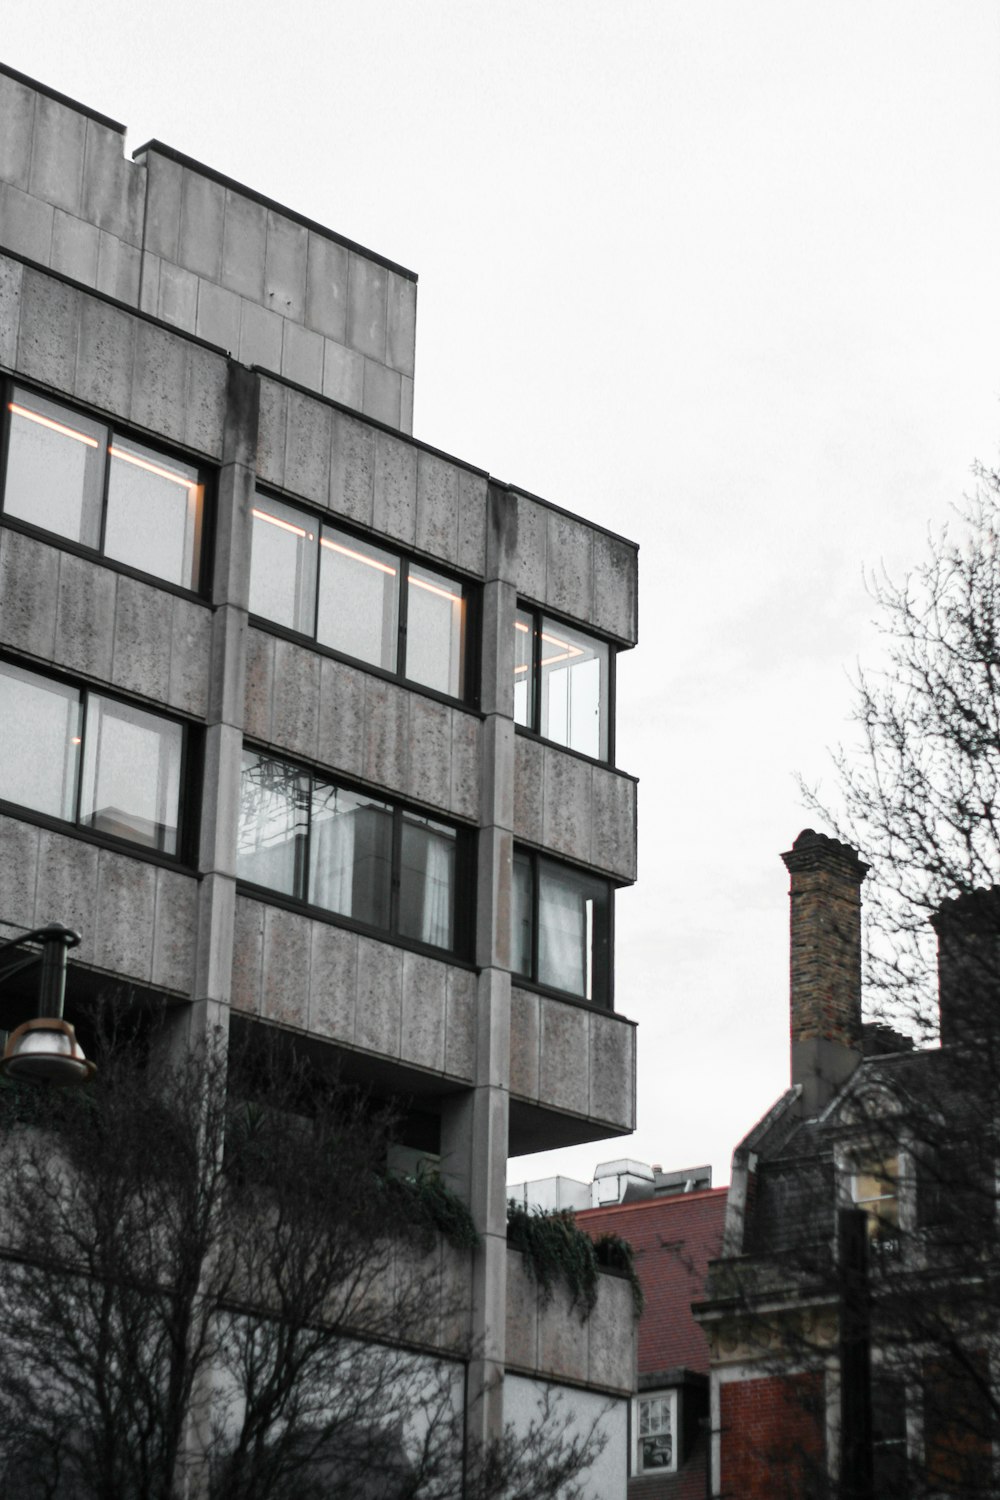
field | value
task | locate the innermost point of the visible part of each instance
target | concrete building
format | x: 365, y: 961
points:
x: 305, y: 725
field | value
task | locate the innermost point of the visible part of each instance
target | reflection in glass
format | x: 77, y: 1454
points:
x: 359, y: 599
x: 39, y: 742
x: 131, y: 774
x: 521, y: 916
x: 574, y: 689
x: 435, y: 631
x: 154, y: 513
x: 524, y: 631
x: 274, y: 823
x: 350, y: 854
x: 427, y: 881
x: 55, y: 469
x: 283, y: 565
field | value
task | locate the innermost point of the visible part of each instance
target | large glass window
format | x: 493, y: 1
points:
x: 80, y: 479
x: 562, y: 684
x: 561, y: 927
x: 360, y: 600
x: 90, y: 760
x: 349, y: 853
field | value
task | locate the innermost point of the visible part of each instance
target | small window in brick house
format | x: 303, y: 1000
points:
x: 875, y: 1188
x: 654, y: 1448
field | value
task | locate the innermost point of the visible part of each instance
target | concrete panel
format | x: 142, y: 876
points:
x: 295, y: 698
x: 205, y: 401
x: 57, y: 150
x: 11, y: 273
x: 521, y: 1350
x: 529, y: 765
x: 27, y: 224
x: 74, y: 247
x: 218, y: 317
x: 326, y: 287
x: 429, y: 769
x: 272, y: 421
x: 366, y: 307
x: 423, y: 1025
x: 566, y: 821
x: 524, y: 1031
x: 381, y: 395
x: 437, y: 507
x: 85, y: 617
x: 176, y: 931
x: 244, y: 238
x: 190, y: 657
x: 615, y: 587
x: 532, y: 546
x: 112, y: 197
x: 395, y: 505
x: 126, y: 904
x: 50, y: 315
x: 342, y: 717
x: 285, y: 267
x: 460, y: 1032
x: 17, y: 109
x: 307, y: 446
x: 159, y: 389
x: 386, y: 747
x: 105, y: 359
x: 284, y: 992
x: 401, y: 322
x: 352, y: 469
x: 125, y: 269
x: 142, y: 636
x: 18, y: 872
x: 248, y: 955
x: 569, y: 571
x: 343, y: 374
x: 29, y: 592
x: 466, y: 734
x: 302, y: 356
x: 149, y: 292
x: 613, y: 823
x: 260, y: 336
x: 562, y: 1338
x: 406, y: 404
x: 66, y: 887
x: 259, y: 683
x: 163, y: 205
x: 177, y: 302
x: 612, y: 1070
x: 611, y: 1335
x: 203, y: 206
x: 564, y: 1056
x: 380, y: 976
x: 333, y: 982
x: 472, y: 496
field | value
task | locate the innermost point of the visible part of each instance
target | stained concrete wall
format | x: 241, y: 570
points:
x: 548, y: 1337
x: 575, y: 569
x: 570, y: 806
x: 572, y: 1059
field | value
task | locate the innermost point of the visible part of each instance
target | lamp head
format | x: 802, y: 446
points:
x: 46, y: 1051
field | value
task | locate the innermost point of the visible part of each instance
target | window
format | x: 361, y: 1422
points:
x: 358, y: 599
x: 654, y: 1448
x: 90, y: 760
x: 562, y: 684
x: 358, y: 856
x: 889, y: 1437
x: 561, y: 928
x: 82, y: 480
x: 875, y: 1188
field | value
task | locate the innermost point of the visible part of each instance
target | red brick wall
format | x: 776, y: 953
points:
x: 774, y: 1438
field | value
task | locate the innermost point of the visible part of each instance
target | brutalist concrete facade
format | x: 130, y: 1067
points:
x: 156, y: 296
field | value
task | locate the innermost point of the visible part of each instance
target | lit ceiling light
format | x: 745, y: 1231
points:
x: 370, y: 562
x: 161, y: 473
x: 262, y: 515
x: 36, y: 416
x: 433, y: 588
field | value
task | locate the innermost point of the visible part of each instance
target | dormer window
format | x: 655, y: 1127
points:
x: 875, y: 1188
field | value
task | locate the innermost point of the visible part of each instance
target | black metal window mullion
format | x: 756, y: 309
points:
x: 105, y: 486
x: 395, y: 869
x: 535, y: 914
x: 536, y: 671
x: 304, y: 851
x: 84, y: 715
x: 403, y: 606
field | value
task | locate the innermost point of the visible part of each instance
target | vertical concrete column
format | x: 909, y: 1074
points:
x: 475, y: 1125
x: 223, y: 737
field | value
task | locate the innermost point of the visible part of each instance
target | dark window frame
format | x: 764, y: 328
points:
x: 113, y: 429
x: 189, y: 778
x: 602, y: 963
x: 464, y: 909
x: 532, y: 728
x: 468, y: 698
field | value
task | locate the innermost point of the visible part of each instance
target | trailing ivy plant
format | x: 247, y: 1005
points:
x: 431, y: 1202
x: 554, y: 1249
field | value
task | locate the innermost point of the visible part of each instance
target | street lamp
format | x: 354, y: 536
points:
x: 45, y: 1050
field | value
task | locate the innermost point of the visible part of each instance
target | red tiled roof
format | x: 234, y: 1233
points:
x: 673, y: 1237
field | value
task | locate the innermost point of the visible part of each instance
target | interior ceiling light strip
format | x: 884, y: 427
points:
x: 262, y: 515
x: 161, y: 473
x: 370, y: 562
x: 36, y: 416
x: 435, y: 588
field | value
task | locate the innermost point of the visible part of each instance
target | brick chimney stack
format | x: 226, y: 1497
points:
x: 826, y: 878
x: 968, y: 933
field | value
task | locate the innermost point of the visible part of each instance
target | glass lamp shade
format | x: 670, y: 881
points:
x: 46, y: 1051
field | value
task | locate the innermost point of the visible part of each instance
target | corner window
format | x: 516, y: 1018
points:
x: 562, y: 684
x: 654, y: 1447
x: 90, y: 760
x: 360, y: 600
x: 82, y: 480
x: 561, y: 927
x: 358, y: 856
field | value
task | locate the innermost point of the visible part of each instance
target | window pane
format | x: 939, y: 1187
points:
x: 435, y: 631
x: 574, y: 670
x: 39, y: 742
x: 427, y: 882
x: 521, y: 920
x: 154, y: 513
x: 523, y: 637
x: 572, y: 926
x: 274, y: 821
x: 358, y: 600
x: 55, y: 469
x: 131, y: 774
x: 283, y: 565
x: 350, y: 855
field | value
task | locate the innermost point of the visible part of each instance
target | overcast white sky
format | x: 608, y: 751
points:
x: 722, y: 275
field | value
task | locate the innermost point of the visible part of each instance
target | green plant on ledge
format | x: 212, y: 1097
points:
x: 555, y: 1249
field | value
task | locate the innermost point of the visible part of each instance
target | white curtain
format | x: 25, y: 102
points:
x: 563, y: 938
x: 332, y: 860
x: 435, y: 924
